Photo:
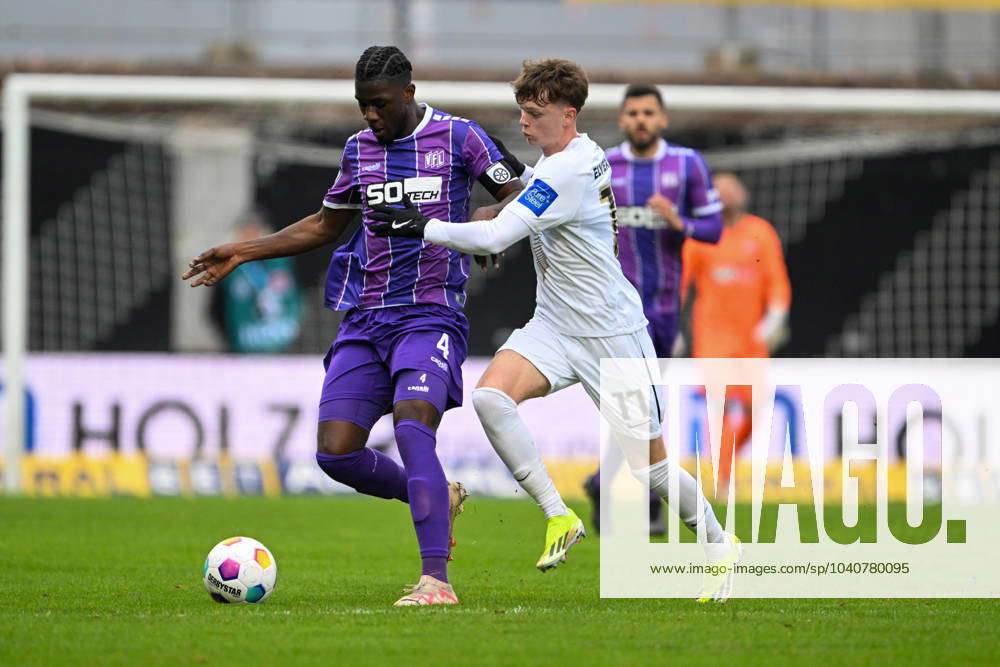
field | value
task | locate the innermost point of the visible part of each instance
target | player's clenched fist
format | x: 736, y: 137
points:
x: 665, y: 208
x: 213, y: 265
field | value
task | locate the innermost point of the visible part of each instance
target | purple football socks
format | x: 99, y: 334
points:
x: 367, y: 471
x: 422, y: 484
x: 435, y: 567
x: 428, y: 493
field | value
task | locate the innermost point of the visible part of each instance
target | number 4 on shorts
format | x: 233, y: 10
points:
x: 443, y: 345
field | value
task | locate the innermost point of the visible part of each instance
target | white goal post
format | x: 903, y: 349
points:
x: 20, y: 90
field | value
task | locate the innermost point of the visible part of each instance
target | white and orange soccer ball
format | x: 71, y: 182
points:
x: 240, y: 569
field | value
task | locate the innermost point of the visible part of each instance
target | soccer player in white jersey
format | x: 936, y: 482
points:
x: 585, y: 308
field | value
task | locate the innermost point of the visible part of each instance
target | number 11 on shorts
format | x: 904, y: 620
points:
x: 442, y: 345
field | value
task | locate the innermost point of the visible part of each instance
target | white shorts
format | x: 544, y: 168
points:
x: 565, y: 360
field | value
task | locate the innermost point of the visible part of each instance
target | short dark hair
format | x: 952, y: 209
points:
x: 551, y: 80
x: 383, y: 63
x: 641, y: 90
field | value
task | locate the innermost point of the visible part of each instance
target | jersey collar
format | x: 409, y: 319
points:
x: 661, y: 150
x: 428, y: 111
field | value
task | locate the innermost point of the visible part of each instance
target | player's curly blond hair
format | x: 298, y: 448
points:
x: 551, y: 80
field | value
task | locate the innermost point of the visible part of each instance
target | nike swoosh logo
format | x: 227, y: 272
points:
x: 400, y: 225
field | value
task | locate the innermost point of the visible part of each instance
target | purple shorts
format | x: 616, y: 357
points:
x: 663, y: 330
x: 385, y: 355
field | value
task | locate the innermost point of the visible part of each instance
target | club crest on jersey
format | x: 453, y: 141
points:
x: 538, y: 197
x: 668, y: 180
x: 434, y: 159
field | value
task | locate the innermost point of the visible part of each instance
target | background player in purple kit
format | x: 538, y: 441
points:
x: 665, y: 195
x: 402, y: 342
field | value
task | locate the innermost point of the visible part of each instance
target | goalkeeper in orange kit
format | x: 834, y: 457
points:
x: 741, y: 299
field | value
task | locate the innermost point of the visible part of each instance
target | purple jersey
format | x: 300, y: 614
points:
x: 436, y: 167
x: 648, y: 249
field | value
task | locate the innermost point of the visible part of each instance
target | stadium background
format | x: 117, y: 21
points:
x: 890, y: 224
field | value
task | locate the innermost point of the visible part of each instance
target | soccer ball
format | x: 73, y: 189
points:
x: 240, y: 569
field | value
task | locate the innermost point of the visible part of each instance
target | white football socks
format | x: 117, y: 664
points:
x: 689, y: 503
x: 512, y: 440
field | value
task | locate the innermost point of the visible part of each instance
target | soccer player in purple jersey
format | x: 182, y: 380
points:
x: 665, y: 195
x: 403, y: 340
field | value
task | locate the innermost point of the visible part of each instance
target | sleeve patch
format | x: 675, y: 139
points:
x: 499, y: 173
x: 538, y: 197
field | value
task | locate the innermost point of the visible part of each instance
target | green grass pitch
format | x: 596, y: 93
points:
x: 118, y: 581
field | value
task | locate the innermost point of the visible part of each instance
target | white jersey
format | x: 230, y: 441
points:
x: 569, y: 208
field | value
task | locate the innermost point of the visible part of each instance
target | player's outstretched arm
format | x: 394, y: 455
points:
x: 506, y: 195
x: 310, y: 232
x: 481, y: 237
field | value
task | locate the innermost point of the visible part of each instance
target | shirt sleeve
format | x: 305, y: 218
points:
x: 702, y: 199
x: 482, y: 237
x: 552, y: 196
x: 484, y: 160
x: 345, y: 192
